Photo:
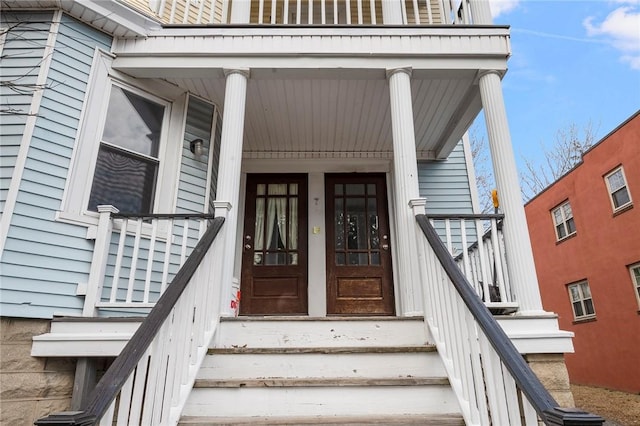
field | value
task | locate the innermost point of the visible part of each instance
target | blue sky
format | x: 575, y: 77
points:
x: 573, y: 62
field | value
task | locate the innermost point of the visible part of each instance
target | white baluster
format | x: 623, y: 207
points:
x: 134, y: 261
x: 150, y: 256
x: 118, y: 266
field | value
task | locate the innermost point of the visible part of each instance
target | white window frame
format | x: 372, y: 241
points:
x: 80, y: 177
x: 611, y: 190
x: 582, y: 298
x: 565, y: 220
x: 635, y: 280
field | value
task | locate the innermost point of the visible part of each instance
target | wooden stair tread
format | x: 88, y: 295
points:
x: 294, y: 318
x: 396, y: 420
x: 320, y: 382
x: 322, y: 350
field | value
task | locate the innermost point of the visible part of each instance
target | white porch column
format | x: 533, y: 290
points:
x: 391, y: 12
x: 405, y: 189
x: 481, y: 12
x: 229, y: 171
x: 522, y: 271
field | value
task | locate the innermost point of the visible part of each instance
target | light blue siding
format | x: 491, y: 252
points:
x: 22, y: 54
x: 44, y: 260
x: 445, y: 184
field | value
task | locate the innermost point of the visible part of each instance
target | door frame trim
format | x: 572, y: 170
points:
x: 316, y: 169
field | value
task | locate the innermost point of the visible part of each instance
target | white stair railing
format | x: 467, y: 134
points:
x: 491, y: 380
x: 136, y: 256
x: 149, y: 382
x: 477, y: 245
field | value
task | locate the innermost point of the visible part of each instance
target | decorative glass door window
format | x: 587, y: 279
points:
x: 127, y: 164
x: 276, y: 229
x: 357, y: 238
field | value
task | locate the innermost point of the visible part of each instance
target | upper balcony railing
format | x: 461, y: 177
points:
x: 310, y: 12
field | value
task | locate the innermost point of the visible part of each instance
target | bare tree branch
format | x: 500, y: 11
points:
x: 565, y: 153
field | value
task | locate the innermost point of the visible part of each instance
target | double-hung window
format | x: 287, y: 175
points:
x: 563, y: 221
x: 128, y: 158
x: 618, y: 191
x: 635, y: 279
x: 581, y: 300
x: 124, y: 155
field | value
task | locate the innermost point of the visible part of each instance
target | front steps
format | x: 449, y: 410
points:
x: 346, y: 371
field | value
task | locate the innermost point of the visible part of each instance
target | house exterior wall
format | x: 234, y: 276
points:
x: 445, y: 184
x: 603, y: 247
x: 44, y: 260
x: 22, y: 51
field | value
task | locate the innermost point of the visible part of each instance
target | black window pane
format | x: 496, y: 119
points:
x: 133, y: 122
x: 621, y: 197
x: 123, y: 181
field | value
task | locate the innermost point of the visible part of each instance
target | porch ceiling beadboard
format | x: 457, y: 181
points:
x: 313, y: 94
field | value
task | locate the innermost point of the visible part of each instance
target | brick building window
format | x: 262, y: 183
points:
x: 581, y: 301
x: 563, y: 221
x: 635, y: 279
x: 618, y: 191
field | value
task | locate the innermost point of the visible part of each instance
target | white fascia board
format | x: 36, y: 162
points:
x: 79, y: 345
x: 116, y: 12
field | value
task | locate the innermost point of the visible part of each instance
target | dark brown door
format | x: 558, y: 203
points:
x: 359, y: 275
x: 274, y: 258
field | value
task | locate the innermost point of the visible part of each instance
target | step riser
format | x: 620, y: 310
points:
x: 336, y: 401
x: 269, y: 334
x: 245, y: 366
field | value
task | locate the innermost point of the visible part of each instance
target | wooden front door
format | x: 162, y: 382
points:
x: 359, y: 275
x: 274, y: 258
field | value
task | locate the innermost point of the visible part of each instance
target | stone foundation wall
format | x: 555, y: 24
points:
x: 552, y: 372
x: 30, y: 387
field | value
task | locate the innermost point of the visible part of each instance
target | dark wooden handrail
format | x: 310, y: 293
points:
x: 544, y: 404
x: 115, y: 377
x: 162, y: 216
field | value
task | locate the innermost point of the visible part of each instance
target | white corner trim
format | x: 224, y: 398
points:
x: 29, y: 127
x: 121, y: 15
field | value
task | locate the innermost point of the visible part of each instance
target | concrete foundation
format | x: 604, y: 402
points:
x: 30, y: 387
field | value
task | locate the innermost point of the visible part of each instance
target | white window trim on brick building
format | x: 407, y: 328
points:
x: 617, y: 186
x: 634, y: 270
x: 581, y: 300
x: 563, y: 221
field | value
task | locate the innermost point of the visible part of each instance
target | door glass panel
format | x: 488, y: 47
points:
x: 358, y: 258
x: 276, y: 228
x: 338, y: 189
x: 355, y: 188
x: 375, y: 258
x: 259, y: 230
x: 374, y: 237
x: 340, y: 259
x: 339, y: 224
x: 371, y: 189
x: 356, y: 224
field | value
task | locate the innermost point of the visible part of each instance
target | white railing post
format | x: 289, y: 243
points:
x: 99, y: 260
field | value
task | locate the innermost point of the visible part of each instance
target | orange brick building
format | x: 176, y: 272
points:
x: 585, y: 233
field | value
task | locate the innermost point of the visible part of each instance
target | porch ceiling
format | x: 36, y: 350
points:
x: 346, y: 112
